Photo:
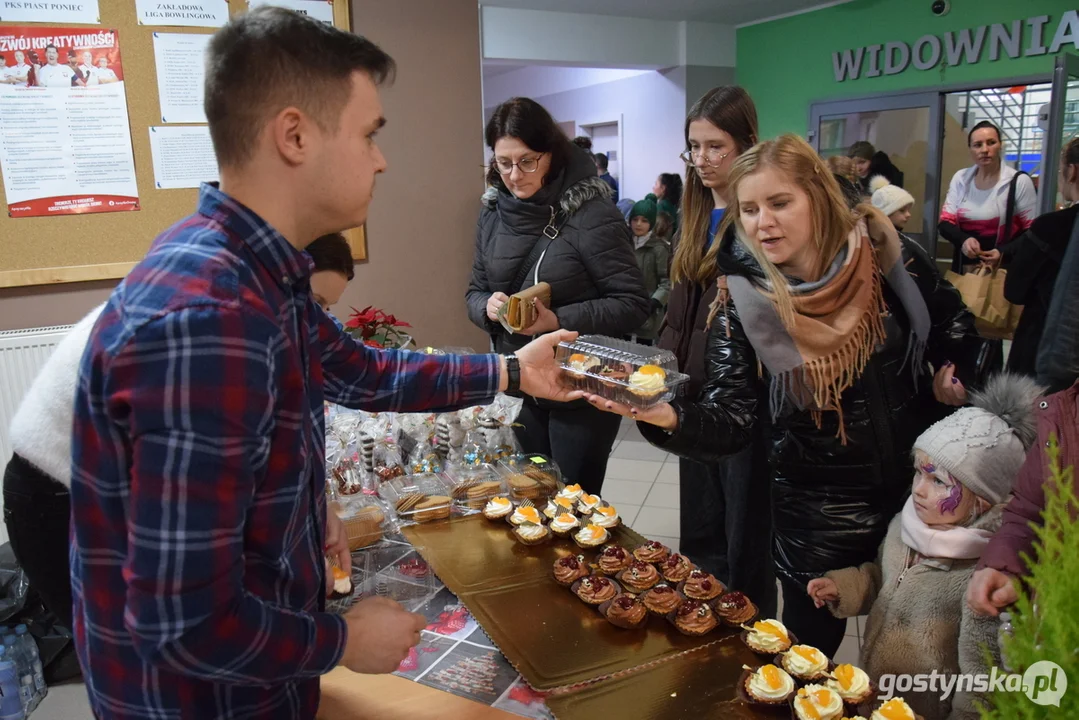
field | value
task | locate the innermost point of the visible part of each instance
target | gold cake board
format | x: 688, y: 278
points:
x: 563, y: 646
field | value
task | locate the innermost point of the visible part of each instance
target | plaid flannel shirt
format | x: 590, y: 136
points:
x: 198, y: 490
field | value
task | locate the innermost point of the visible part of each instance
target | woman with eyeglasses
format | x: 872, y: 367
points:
x: 547, y: 217
x: 724, y: 523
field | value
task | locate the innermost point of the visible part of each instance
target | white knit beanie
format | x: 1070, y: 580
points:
x: 887, y: 197
x: 985, y: 445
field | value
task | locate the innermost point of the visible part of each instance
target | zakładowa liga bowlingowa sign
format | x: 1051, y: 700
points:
x: 65, y: 139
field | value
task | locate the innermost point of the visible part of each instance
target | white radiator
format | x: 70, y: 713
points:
x: 22, y: 354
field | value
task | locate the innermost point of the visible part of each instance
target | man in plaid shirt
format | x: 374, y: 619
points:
x: 198, y: 489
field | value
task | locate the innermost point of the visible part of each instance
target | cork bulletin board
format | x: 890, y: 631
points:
x: 105, y: 246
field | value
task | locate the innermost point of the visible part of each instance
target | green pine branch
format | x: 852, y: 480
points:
x: 1046, y: 617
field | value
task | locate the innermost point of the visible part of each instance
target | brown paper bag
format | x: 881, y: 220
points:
x: 983, y: 293
x: 520, y: 311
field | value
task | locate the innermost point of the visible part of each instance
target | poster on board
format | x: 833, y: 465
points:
x: 316, y: 9
x: 183, y: 156
x: 186, y: 13
x: 65, y: 139
x: 55, y: 11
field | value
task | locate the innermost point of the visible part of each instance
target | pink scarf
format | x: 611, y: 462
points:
x: 951, y: 542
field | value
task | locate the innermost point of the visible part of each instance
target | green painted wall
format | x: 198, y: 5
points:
x: 787, y: 64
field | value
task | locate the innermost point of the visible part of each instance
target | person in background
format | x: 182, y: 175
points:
x: 668, y: 195
x: 548, y: 218
x: 52, y: 73
x: 895, y: 202
x: 334, y: 269
x: 664, y: 230
x: 200, y: 523
x: 842, y: 168
x: 625, y: 205
x: 824, y: 327
x: 601, y: 170
x: 87, y: 68
x: 1034, y: 259
x: 914, y: 590
x: 720, y: 525
x: 104, y: 74
x: 78, y: 77
x: 653, y: 257
x: 584, y: 142
x: 17, y: 74
x: 982, y: 199
x: 868, y: 162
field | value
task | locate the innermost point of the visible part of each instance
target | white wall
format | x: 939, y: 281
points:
x: 652, y: 107
x: 540, y: 80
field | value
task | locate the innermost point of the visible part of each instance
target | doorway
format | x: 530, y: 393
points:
x: 607, y: 139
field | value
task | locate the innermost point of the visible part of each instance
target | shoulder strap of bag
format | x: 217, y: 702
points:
x: 1009, y: 212
x: 552, y: 231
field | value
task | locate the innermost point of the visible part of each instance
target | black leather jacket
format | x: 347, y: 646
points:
x: 831, y: 502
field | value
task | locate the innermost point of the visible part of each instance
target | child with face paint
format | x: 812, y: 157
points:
x: 914, y: 593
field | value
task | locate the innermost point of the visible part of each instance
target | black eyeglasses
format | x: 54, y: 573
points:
x: 526, y: 165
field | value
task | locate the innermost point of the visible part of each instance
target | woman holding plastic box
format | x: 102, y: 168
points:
x: 548, y: 218
x: 823, y: 324
x: 716, y: 524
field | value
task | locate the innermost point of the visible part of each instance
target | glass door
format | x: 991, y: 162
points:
x: 1063, y: 126
x: 904, y: 128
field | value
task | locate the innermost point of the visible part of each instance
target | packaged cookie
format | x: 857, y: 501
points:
x: 531, y: 477
x: 474, y: 485
x: 419, y: 498
x: 366, y: 519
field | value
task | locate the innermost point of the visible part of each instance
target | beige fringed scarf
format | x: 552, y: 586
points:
x: 839, y: 322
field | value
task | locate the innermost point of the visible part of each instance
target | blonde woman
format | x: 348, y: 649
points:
x: 824, y: 336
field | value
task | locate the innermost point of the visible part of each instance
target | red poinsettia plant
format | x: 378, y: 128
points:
x: 377, y: 329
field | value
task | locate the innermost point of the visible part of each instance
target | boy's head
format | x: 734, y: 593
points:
x: 968, y: 461
x: 893, y: 201
x: 642, y: 217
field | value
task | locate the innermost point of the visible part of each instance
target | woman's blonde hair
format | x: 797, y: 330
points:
x: 831, y: 220
x: 730, y: 109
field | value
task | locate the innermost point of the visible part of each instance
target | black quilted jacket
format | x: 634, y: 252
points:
x: 831, y: 502
x: 596, y: 285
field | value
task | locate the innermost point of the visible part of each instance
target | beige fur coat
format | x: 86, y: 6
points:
x: 919, y: 620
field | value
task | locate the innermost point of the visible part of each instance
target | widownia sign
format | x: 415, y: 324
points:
x: 960, y: 47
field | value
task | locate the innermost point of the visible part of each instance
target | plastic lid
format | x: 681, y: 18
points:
x: 21, y: 628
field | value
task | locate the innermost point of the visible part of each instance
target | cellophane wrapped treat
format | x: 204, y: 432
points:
x: 638, y: 375
x: 366, y: 519
x: 419, y: 498
x: 530, y: 476
x: 474, y: 485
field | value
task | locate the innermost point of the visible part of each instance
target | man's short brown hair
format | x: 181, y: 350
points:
x: 271, y: 58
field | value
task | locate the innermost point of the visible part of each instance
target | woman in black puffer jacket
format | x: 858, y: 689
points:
x: 541, y: 185
x: 836, y: 361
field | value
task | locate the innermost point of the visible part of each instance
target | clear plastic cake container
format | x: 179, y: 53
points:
x: 612, y: 369
x: 530, y: 476
x: 474, y: 485
x: 419, y: 498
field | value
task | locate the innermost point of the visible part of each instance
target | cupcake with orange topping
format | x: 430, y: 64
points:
x: 894, y: 709
x: 606, y: 517
x: 595, y: 589
x: 571, y: 493
x: 531, y: 533
x: 639, y: 576
x: 525, y: 514
x: 614, y: 559
x: 591, y: 536
x: 586, y: 504
x: 497, y: 508
x: 816, y: 702
x: 342, y: 583
x: 565, y: 524
x: 768, y: 685
x: 852, y: 684
x: 805, y: 662
x: 648, y: 383
x: 570, y: 569
x: 556, y: 506
x: 578, y: 365
x: 767, y: 637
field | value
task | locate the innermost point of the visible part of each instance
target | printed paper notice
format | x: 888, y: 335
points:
x: 65, y: 140
x: 317, y: 9
x: 183, y: 13
x: 181, y: 71
x: 183, y: 156
x: 54, y: 11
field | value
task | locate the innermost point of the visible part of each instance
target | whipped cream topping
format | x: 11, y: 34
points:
x: 592, y: 534
x: 769, y: 642
x: 859, y: 684
x: 525, y: 514
x: 583, y: 364
x: 759, y: 687
x: 799, y: 664
x: 571, y: 491
x: 894, y: 709
x: 828, y: 704
x: 605, y: 517
x: 565, y: 522
x: 589, y: 502
x: 342, y: 585
x: 497, y: 505
x: 649, y: 382
x: 531, y: 532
